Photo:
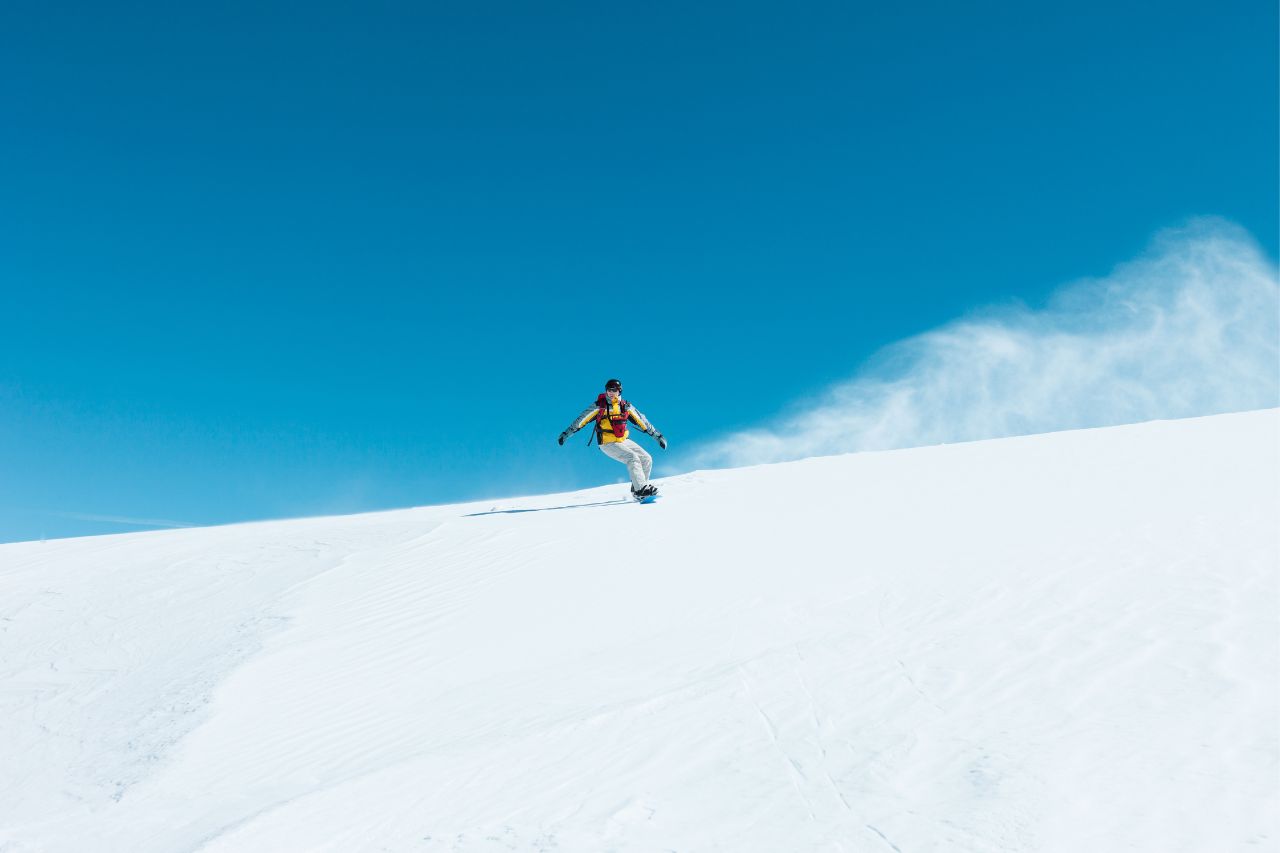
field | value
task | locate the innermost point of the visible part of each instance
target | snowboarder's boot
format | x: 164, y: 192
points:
x: 648, y: 490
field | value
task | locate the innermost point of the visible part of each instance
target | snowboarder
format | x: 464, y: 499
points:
x: 611, y: 414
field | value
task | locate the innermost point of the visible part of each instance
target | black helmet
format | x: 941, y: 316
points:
x: 613, y: 385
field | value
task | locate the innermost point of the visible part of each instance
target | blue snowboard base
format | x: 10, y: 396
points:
x: 647, y: 500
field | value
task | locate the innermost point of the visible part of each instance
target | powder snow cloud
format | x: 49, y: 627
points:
x: 1192, y: 327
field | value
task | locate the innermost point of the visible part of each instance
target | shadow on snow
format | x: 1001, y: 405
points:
x: 548, y: 508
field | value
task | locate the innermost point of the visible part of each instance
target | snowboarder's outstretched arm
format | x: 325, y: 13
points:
x: 588, y: 415
x: 649, y: 429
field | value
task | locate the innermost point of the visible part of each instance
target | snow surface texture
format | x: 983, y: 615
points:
x: 1062, y: 642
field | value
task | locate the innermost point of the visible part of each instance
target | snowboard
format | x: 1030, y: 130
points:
x: 646, y: 500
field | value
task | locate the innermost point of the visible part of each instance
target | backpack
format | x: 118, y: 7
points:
x: 617, y: 423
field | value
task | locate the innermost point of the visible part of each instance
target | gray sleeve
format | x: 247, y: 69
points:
x: 643, y: 422
x: 581, y: 420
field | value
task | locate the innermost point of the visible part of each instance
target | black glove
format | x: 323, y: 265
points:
x: 563, y: 436
x: 662, y: 442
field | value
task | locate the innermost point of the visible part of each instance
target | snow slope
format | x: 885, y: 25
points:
x: 1064, y: 642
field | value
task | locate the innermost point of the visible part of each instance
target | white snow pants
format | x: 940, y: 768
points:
x: 638, y: 462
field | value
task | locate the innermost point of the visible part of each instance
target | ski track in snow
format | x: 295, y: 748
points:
x: 1063, y: 642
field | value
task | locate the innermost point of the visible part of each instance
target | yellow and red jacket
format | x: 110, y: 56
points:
x: 611, y: 420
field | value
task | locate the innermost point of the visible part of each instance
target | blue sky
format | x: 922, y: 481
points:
x: 266, y: 260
